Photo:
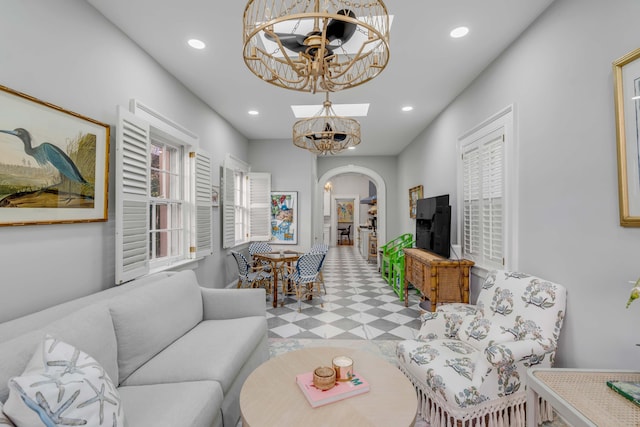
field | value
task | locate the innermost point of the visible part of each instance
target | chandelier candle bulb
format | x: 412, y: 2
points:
x: 343, y: 366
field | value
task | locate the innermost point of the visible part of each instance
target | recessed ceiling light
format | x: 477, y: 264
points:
x: 253, y: 112
x: 407, y: 108
x: 351, y: 148
x: 459, y: 32
x: 196, y: 44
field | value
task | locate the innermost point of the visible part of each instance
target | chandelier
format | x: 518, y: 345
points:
x: 326, y: 133
x: 316, y: 45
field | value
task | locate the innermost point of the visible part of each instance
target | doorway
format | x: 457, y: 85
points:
x: 320, y: 226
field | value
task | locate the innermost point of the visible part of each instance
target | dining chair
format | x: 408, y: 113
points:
x: 305, y: 278
x: 250, y: 276
x: 260, y: 248
x: 322, y: 248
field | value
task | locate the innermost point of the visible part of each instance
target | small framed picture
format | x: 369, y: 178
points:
x: 215, y: 195
x: 415, y: 193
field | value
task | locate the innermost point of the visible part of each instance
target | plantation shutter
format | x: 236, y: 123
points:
x: 259, y: 206
x: 483, y: 199
x: 492, y: 203
x: 228, y: 207
x: 132, y: 197
x: 471, y: 198
x: 203, y: 239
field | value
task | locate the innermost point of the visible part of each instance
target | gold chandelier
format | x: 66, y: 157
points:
x: 316, y: 45
x: 326, y: 133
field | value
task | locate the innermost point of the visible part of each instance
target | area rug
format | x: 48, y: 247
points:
x: 384, y: 349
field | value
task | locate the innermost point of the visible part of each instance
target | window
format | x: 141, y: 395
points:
x: 486, y: 198
x: 163, y: 195
x: 245, y: 204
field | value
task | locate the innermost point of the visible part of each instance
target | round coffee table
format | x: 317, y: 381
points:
x: 271, y: 397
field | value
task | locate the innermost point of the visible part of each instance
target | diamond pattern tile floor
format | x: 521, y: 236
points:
x: 359, y: 305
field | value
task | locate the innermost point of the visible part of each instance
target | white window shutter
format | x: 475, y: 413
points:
x: 259, y: 206
x: 132, y: 197
x: 471, y: 199
x: 228, y: 208
x: 203, y: 234
x: 492, y: 204
x: 483, y: 198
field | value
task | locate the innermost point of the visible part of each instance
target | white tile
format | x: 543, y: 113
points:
x: 392, y: 307
x: 362, y: 317
x: 359, y: 298
x: 288, y: 330
x: 405, y: 332
x: 326, y: 331
x: 398, y: 318
x: 294, y: 316
x: 366, y: 332
x: 327, y: 317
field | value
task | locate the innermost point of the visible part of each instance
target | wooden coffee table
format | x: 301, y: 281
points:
x: 271, y: 397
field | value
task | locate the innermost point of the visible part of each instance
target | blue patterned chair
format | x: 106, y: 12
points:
x: 322, y: 248
x: 468, y: 363
x: 260, y: 248
x: 250, y: 276
x: 305, y: 277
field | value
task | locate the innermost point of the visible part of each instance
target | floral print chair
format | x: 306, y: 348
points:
x: 468, y: 363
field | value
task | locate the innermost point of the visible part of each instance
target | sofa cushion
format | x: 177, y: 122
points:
x: 187, y: 404
x: 148, y: 319
x: 213, y: 350
x: 89, y: 329
x: 63, y: 385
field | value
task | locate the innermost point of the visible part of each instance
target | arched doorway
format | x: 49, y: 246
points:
x: 381, y: 190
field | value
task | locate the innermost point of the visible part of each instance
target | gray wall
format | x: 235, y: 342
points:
x: 292, y: 169
x: 558, y: 76
x: 66, y: 53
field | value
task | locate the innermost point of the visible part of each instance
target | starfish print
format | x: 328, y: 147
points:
x: 71, y: 366
x: 99, y: 397
x: 54, y: 379
x: 44, y: 412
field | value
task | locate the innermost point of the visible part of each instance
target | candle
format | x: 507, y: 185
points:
x: 343, y: 366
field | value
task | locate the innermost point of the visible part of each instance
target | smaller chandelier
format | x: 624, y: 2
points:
x: 316, y: 46
x: 326, y: 133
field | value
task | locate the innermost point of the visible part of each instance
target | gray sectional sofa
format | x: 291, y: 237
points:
x: 178, y: 352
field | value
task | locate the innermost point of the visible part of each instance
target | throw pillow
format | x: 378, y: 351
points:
x: 4, y: 421
x: 63, y: 385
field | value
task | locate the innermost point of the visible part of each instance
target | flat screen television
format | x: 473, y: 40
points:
x: 433, y: 225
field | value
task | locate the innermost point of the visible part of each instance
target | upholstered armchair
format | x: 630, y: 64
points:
x: 468, y: 363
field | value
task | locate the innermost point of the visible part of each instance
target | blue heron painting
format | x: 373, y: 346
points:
x: 48, y: 153
x: 57, y: 181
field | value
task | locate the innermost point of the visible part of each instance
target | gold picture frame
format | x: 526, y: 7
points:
x: 415, y: 193
x: 626, y: 75
x: 54, y: 163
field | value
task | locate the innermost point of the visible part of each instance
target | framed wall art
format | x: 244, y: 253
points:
x: 284, y: 217
x: 626, y: 74
x: 415, y: 193
x: 345, y: 211
x: 54, y: 163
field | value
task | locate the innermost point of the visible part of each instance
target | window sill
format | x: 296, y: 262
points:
x: 178, y: 265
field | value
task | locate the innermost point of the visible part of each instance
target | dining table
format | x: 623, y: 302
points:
x: 278, y: 259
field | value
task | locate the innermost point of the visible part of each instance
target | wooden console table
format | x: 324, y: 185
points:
x: 438, y: 279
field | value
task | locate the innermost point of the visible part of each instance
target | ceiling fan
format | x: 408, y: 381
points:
x: 328, y: 134
x: 309, y: 43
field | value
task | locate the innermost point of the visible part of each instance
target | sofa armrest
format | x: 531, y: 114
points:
x: 233, y: 303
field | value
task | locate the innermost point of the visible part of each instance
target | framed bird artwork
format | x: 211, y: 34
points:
x: 54, y: 163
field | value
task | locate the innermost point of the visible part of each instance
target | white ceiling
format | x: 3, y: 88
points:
x: 427, y: 69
